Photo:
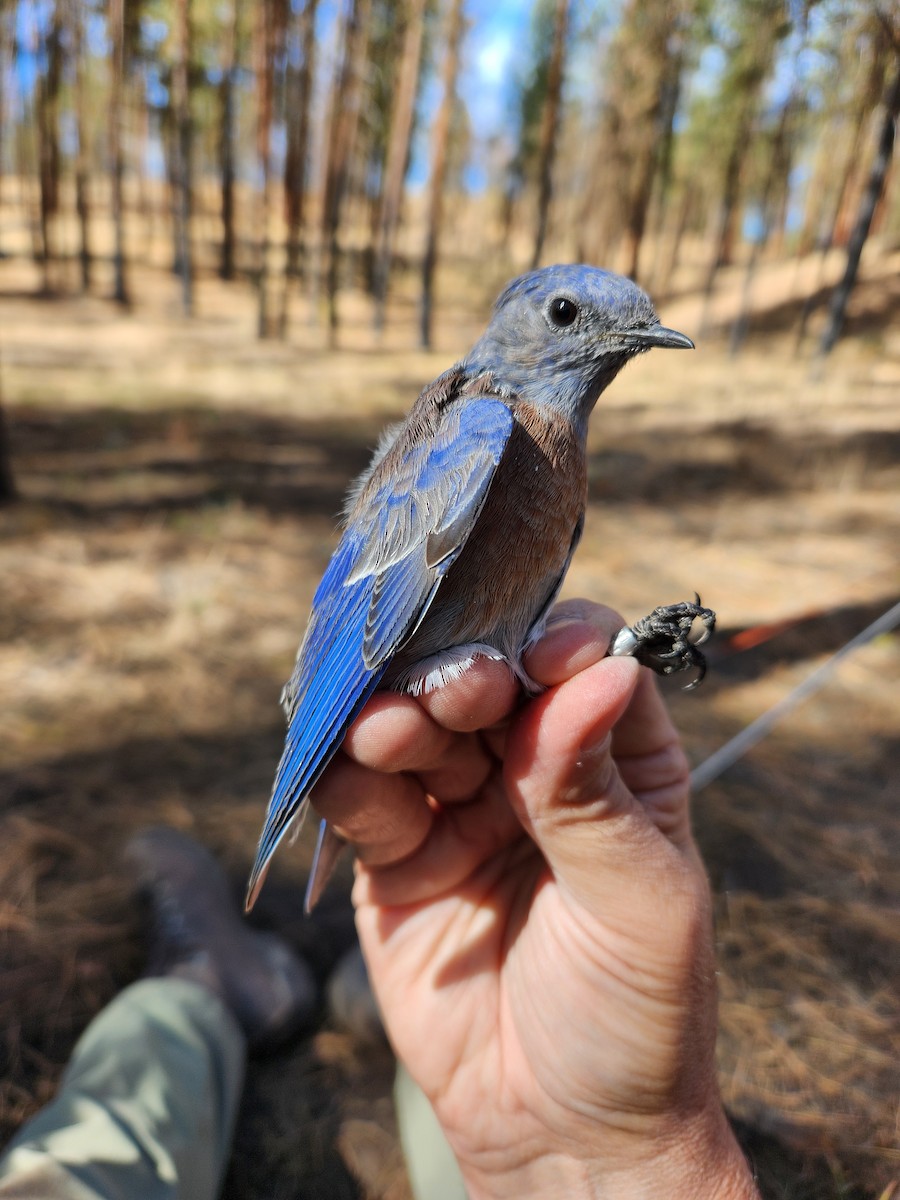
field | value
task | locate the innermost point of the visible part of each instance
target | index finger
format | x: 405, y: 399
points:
x: 482, y: 695
x: 577, y: 636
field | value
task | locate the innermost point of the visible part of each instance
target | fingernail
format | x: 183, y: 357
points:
x: 555, y: 623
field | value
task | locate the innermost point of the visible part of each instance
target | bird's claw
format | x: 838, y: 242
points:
x: 662, y: 640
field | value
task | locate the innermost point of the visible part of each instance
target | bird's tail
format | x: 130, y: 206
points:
x: 330, y: 710
x: 264, y: 853
x: 329, y: 848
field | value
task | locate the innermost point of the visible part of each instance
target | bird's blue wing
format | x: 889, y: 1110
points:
x: 409, y: 523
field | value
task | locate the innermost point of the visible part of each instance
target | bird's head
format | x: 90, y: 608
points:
x: 561, y: 334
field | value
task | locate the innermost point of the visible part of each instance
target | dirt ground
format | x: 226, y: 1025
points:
x: 180, y: 482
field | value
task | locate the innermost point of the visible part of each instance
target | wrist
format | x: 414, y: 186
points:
x: 694, y: 1160
x: 697, y: 1159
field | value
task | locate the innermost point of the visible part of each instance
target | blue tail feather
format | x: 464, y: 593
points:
x: 333, y: 685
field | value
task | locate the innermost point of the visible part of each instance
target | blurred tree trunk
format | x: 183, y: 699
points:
x: 644, y: 67
x: 47, y: 101
x: 829, y: 232
x: 645, y: 151
x: 837, y: 309
x: 663, y: 279
x: 116, y: 25
x: 533, y: 116
x: 8, y: 490
x: 779, y: 161
x: 440, y: 138
x: 342, y: 124
x: 760, y: 27
x: 389, y: 26
x: 183, y: 137
x: 723, y: 244
x: 398, y: 153
x: 146, y: 206
x: 75, y: 18
x: 550, y: 127
x: 272, y: 16
x: 264, y: 54
x: 227, y: 140
x: 825, y: 238
x: 592, y: 228
x: 723, y: 239
x: 670, y: 96
x: 6, y: 56
x: 298, y: 98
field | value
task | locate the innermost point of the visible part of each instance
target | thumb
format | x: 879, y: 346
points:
x: 564, y: 785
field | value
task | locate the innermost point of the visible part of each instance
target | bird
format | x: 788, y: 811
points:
x: 457, y: 537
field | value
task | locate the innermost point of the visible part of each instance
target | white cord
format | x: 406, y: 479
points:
x: 723, y: 758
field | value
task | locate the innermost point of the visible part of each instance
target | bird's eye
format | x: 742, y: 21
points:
x: 562, y: 311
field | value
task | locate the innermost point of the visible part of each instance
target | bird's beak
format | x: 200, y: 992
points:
x: 658, y: 335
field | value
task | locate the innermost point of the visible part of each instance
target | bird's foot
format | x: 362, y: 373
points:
x: 662, y: 640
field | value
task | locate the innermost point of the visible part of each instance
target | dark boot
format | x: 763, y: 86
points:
x: 198, y: 934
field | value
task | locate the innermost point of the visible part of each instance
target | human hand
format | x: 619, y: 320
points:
x: 536, y: 921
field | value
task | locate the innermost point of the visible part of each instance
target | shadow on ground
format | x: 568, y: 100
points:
x: 800, y: 848
x: 872, y: 313
x: 86, y: 942
x: 116, y: 463
x: 737, y: 655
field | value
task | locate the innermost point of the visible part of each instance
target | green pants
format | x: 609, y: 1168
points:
x: 146, y: 1108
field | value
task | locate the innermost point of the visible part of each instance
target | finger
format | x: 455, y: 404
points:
x: 651, y: 761
x: 563, y: 783
x: 460, y: 772
x: 484, y: 694
x: 461, y: 852
x: 645, y: 725
x: 578, y: 634
x: 386, y: 817
x: 395, y: 734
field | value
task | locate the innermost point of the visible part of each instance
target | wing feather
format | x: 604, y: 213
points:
x: 410, y: 521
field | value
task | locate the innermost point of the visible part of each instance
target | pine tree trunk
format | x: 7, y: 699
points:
x: 837, y: 309
x: 5, y: 56
x: 825, y: 240
x: 550, y: 127
x: 227, y: 142
x: 183, y: 153
x: 342, y: 125
x: 776, y: 168
x: 82, y: 204
x: 651, y: 151
x: 8, y: 490
x: 673, y: 255
x: 669, y: 99
x: 723, y: 241
x: 269, y: 39
x: 299, y: 86
x: 440, y: 137
x: 632, y: 162
x: 820, y: 232
x: 398, y: 153
x: 47, y: 98
x: 116, y: 20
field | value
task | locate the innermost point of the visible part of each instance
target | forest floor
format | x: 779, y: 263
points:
x: 180, y: 482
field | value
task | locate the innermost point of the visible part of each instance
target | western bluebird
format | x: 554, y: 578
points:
x: 459, y: 534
